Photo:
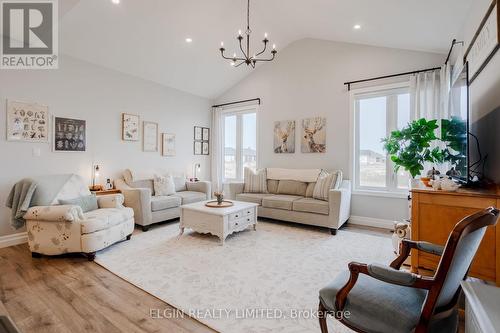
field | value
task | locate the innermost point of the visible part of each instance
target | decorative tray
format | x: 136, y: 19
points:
x: 224, y: 204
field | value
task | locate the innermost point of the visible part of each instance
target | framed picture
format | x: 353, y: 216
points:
x: 284, y: 137
x: 198, y: 133
x: 130, y: 127
x: 313, y: 135
x: 70, y: 135
x: 168, y: 144
x: 205, y: 148
x: 149, y: 136
x: 206, y: 134
x: 27, y: 122
x: 197, y: 147
x: 485, y: 42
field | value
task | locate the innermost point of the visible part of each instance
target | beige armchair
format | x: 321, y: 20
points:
x: 149, y: 208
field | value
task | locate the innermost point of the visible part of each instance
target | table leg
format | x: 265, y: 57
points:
x: 222, y: 241
x: 255, y: 227
x: 181, y: 231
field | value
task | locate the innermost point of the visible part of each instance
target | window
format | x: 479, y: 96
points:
x: 240, y: 142
x: 377, y: 112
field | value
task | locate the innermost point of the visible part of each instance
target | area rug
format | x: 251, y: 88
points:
x: 259, y: 281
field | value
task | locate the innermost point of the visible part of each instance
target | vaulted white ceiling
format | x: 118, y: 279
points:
x: 146, y: 38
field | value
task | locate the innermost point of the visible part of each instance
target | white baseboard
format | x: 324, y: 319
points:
x: 14, y: 239
x: 371, y: 222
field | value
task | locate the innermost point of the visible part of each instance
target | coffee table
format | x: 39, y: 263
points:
x: 220, y: 222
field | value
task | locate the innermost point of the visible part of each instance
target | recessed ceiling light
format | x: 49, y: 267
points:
x: 357, y: 27
x: 189, y: 40
x: 116, y: 2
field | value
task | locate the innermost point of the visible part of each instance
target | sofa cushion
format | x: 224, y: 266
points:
x: 146, y: 183
x: 310, y: 205
x: 87, y: 202
x: 188, y: 197
x: 164, y: 185
x: 180, y: 183
x: 280, y: 201
x: 272, y: 186
x: 255, y: 182
x: 310, y: 189
x: 292, y: 187
x: 325, y: 183
x: 252, y: 197
x: 164, y: 202
x: 105, y: 218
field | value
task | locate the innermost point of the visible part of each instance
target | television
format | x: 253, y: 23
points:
x: 454, y: 131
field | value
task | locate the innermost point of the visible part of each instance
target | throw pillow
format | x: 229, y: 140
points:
x: 323, y: 185
x: 164, y: 185
x: 292, y: 187
x: 255, y: 182
x: 87, y: 203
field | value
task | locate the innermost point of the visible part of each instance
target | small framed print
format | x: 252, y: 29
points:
x: 130, y: 127
x: 168, y: 146
x: 205, y: 148
x: 206, y: 134
x: 69, y: 134
x: 149, y: 136
x: 197, y: 147
x: 198, y: 133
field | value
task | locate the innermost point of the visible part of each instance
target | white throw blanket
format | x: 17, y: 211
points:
x: 301, y: 175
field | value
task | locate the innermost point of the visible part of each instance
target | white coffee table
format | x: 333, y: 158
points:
x: 219, y: 222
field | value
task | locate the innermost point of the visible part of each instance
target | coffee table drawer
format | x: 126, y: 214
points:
x: 241, y: 222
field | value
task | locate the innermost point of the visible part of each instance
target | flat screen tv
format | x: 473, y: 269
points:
x: 454, y: 131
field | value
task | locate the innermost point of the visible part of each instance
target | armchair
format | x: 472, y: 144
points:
x: 379, y: 298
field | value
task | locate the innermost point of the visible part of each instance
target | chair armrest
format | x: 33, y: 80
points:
x: 110, y: 201
x: 406, y: 246
x: 200, y: 186
x: 235, y: 188
x: 139, y: 199
x: 59, y: 213
x: 381, y: 273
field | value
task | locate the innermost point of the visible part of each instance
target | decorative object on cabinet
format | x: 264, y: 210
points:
x: 313, y: 135
x: 435, y: 213
x: 70, y: 135
x: 108, y: 185
x: 168, y: 144
x: 130, y: 127
x: 27, y: 122
x: 485, y: 42
x: 284, y: 137
x: 149, y: 136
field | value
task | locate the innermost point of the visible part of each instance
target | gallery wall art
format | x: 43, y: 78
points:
x: 70, y: 135
x: 130, y: 127
x: 149, y: 136
x: 284, y: 137
x: 201, y: 145
x: 27, y: 122
x: 313, y: 135
x: 168, y: 144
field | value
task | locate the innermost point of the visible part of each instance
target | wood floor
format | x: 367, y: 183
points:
x: 71, y: 294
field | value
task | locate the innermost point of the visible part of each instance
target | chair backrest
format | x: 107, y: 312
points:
x: 458, y: 254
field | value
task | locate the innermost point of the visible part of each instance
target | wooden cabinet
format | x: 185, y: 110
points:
x: 435, y: 213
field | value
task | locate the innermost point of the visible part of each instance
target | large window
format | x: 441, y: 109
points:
x: 377, y: 112
x: 240, y: 142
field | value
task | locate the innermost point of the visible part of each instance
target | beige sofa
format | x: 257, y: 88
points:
x: 294, y: 202
x: 148, y: 209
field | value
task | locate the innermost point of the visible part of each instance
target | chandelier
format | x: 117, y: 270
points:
x: 246, y: 57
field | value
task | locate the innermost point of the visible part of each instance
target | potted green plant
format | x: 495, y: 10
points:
x: 410, y: 147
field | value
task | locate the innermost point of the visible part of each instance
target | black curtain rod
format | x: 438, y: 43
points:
x: 237, y: 102
x: 388, y: 76
x: 453, y: 43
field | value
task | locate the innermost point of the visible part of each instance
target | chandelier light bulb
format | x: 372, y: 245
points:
x: 221, y: 44
x: 234, y: 55
x: 239, y: 32
x: 274, y: 46
x: 265, y: 35
x: 232, y: 63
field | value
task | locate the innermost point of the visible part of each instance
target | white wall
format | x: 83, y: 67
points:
x: 307, y: 80
x: 98, y: 95
x: 485, y: 98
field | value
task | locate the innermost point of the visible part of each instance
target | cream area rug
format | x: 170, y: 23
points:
x: 259, y: 281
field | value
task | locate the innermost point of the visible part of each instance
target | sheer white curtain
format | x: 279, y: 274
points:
x: 217, y: 148
x: 430, y: 94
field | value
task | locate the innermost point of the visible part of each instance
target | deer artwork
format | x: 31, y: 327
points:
x: 310, y: 130
x: 283, y: 136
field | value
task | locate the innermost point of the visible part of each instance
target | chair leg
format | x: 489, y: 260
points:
x: 322, y: 313
x: 129, y: 236
x: 90, y: 256
x: 36, y: 255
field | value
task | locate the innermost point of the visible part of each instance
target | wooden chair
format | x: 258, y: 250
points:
x: 378, y: 298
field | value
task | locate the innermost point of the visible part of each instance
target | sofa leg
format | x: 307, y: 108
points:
x: 129, y: 236
x: 36, y: 255
x: 145, y: 228
x: 90, y: 256
x: 333, y: 231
